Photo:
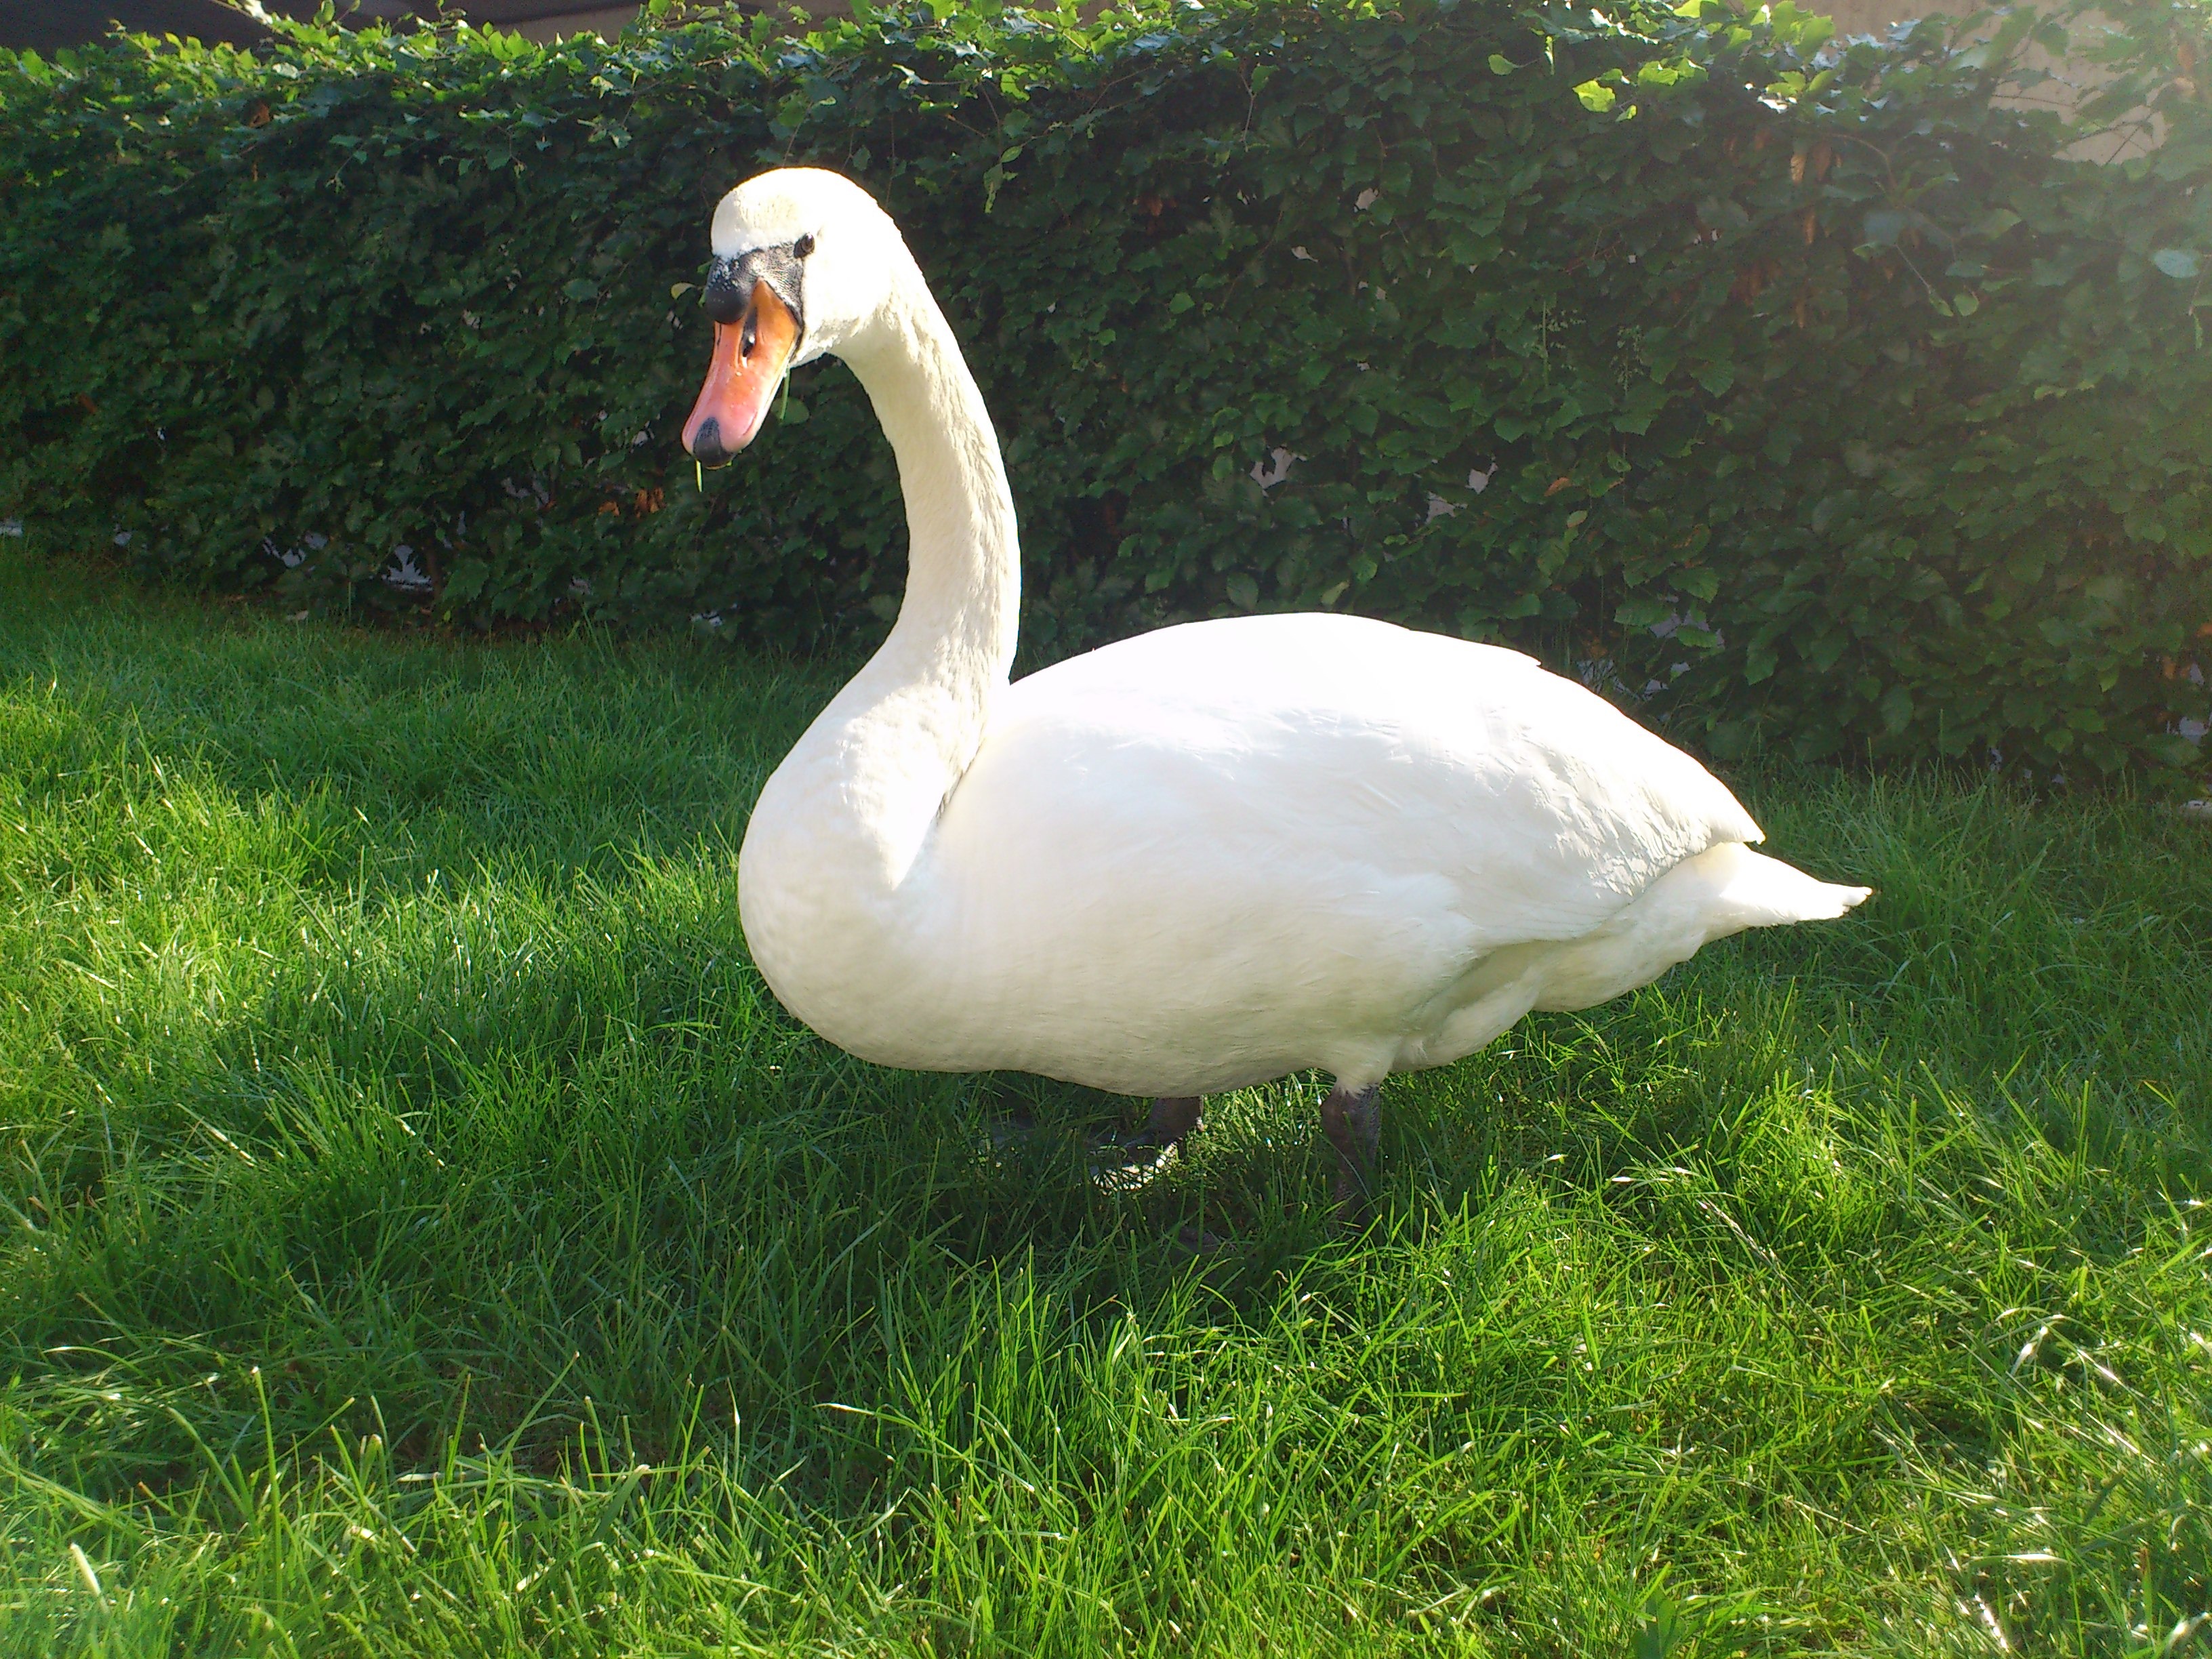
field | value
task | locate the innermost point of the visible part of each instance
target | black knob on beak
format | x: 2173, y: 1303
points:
x: 727, y: 293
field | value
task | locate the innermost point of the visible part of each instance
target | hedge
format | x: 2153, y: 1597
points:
x: 1802, y: 388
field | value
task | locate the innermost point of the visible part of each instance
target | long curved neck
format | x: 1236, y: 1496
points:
x: 963, y: 602
x: 897, y: 740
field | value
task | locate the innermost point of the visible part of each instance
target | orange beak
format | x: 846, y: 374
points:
x: 742, y: 378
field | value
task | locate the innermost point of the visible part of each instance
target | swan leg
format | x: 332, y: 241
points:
x: 1173, y: 1116
x: 1352, y: 1120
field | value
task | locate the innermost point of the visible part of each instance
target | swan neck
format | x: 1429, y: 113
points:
x: 958, y: 622
x: 848, y: 815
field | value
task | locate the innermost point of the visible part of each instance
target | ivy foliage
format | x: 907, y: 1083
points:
x: 1807, y: 388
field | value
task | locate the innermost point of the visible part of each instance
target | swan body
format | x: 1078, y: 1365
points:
x: 1195, y: 860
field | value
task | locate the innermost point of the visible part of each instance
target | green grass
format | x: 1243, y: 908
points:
x: 421, y: 1233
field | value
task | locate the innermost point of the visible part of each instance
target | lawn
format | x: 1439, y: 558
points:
x: 424, y: 1235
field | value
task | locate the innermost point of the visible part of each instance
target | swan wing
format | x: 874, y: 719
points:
x: 1316, y: 743
x: 1282, y: 835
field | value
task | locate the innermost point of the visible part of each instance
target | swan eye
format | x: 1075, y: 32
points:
x: 802, y: 248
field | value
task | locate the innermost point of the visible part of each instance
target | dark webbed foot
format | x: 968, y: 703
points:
x: 1134, y: 1160
x: 1352, y: 1120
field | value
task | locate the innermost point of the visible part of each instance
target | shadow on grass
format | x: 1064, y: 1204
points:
x: 394, y: 757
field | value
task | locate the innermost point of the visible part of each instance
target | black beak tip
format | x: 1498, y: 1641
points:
x: 706, y: 444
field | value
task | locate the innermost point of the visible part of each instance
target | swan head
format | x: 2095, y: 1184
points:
x: 804, y: 261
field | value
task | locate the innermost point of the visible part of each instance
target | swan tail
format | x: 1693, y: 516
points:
x: 1722, y: 890
x: 1753, y: 891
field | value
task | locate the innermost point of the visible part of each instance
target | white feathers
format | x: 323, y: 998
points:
x: 1206, y: 856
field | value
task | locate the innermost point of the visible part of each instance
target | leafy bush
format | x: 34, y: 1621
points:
x: 1802, y: 387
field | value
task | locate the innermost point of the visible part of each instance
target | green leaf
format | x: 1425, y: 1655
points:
x: 1882, y: 227
x: 1596, y: 96
x: 2178, y: 263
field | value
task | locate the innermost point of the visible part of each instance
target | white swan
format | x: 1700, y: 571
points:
x: 1194, y: 861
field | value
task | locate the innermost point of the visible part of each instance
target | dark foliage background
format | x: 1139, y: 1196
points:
x: 1805, y: 390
